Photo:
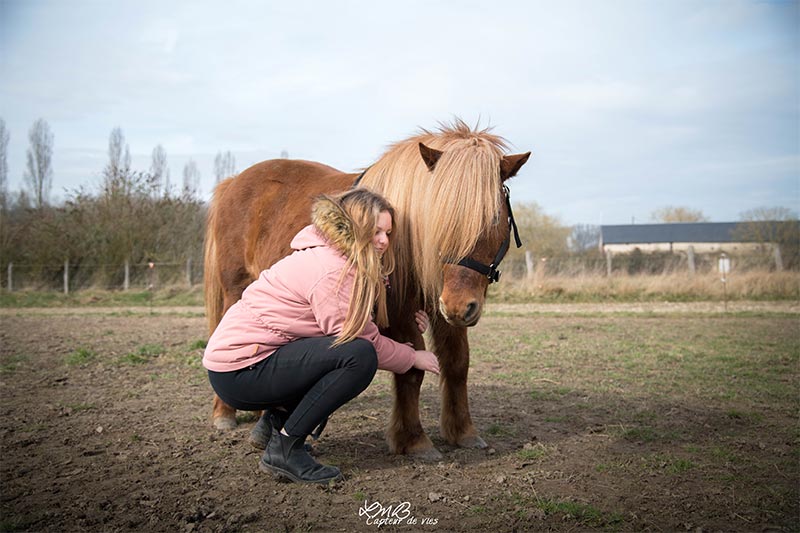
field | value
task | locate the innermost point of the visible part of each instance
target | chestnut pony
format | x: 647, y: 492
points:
x: 453, y: 221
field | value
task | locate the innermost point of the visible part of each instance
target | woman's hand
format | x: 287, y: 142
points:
x: 422, y: 320
x: 427, y: 361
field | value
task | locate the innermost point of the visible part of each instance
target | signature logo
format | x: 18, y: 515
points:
x: 379, y: 515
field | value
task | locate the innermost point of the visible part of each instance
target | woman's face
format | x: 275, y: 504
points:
x: 384, y: 227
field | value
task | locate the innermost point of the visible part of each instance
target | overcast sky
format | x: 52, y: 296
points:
x: 627, y: 106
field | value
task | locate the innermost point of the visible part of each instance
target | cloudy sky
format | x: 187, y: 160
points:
x: 627, y: 106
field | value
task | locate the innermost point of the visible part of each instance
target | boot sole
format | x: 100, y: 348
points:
x: 280, y: 473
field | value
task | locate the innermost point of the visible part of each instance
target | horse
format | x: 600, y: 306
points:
x: 453, y: 224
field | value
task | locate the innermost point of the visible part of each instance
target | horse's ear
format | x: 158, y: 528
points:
x: 430, y: 156
x: 510, y: 165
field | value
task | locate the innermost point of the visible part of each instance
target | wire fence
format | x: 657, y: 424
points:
x: 68, y: 277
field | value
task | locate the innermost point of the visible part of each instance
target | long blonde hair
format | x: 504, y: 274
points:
x: 440, y: 214
x: 357, y: 221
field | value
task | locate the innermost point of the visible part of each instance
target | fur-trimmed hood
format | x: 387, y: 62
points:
x: 330, y: 227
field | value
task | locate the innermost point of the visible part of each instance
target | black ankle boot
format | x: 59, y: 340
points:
x: 259, y: 435
x: 286, y: 456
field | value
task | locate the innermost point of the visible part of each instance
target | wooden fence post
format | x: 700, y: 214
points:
x: 690, y: 257
x: 66, y: 276
x: 608, y: 263
x: 778, y: 258
x: 529, y: 263
x: 189, y: 272
x: 10, y: 284
x: 127, y: 283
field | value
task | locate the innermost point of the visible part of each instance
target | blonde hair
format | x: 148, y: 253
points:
x: 361, y: 209
x: 440, y: 214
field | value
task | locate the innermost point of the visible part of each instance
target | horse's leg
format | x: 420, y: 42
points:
x: 452, y: 348
x: 405, y: 434
x: 223, y: 415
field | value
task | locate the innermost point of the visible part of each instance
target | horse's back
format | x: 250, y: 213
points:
x: 259, y: 211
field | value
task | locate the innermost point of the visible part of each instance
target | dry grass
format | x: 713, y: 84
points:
x: 751, y: 285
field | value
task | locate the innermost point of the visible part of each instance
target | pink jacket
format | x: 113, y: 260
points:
x: 296, y: 298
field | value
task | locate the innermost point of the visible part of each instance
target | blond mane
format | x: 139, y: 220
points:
x: 439, y: 215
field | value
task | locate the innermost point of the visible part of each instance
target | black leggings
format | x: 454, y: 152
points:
x: 306, y: 377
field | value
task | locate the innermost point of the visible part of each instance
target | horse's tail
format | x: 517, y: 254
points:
x: 211, y: 278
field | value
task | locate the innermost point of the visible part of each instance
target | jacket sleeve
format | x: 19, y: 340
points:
x: 329, y: 302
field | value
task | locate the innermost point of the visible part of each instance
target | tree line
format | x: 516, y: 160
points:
x: 138, y: 216
x: 132, y: 217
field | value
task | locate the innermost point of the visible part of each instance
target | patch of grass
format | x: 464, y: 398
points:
x: 477, y: 509
x: 741, y: 415
x: 548, y: 394
x: 359, y: 496
x: 533, y: 453
x: 583, y: 513
x: 496, y: 430
x: 191, y: 359
x: 10, y: 363
x: 724, y: 455
x: 144, y: 354
x: 199, y: 344
x: 668, y: 464
x: 17, y: 523
x: 640, y: 434
x: 80, y: 357
x: 170, y: 296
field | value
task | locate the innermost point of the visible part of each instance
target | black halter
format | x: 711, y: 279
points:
x: 490, y: 271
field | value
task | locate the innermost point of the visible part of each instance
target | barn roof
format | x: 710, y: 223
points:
x: 679, y: 232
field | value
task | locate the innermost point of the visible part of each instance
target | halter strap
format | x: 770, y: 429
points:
x: 490, y: 271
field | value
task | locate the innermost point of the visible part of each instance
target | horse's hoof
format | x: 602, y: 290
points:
x: 258, y: 440
x: 473, y: 442
x: 225, y: 424
x: 261, y: 432
x: 428, y: 454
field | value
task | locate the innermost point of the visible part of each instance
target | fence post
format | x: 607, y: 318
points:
x: 127, y: 283
x: 608, y: 263
x: 778, y: 258
x: 10, y: 283
x: 66, y: 276
x: 690, y: 257
x: 189, y: 272
x: 529, y: 263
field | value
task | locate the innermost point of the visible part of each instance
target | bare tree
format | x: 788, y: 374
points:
x: 159, y: 172
x: 39, y: 173
x: 224, y: 166
x: 4, y: 137
x: 584, y: 237
x: 118, y: 168
x: 542, y: 234
x: 191, y: 180
x: 670, y: 214
x: 776, y: 225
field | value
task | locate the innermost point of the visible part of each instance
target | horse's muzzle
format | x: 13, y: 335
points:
x: 466, y: 315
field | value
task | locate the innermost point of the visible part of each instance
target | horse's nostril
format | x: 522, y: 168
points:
x: 469, y: 314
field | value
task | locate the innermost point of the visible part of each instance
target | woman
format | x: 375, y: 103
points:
x: 301, y: 342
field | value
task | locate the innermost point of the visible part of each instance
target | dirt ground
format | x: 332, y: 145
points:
x: 104, y: 426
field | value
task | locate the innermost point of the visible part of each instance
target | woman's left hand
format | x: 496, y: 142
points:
x: 422, y: 320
